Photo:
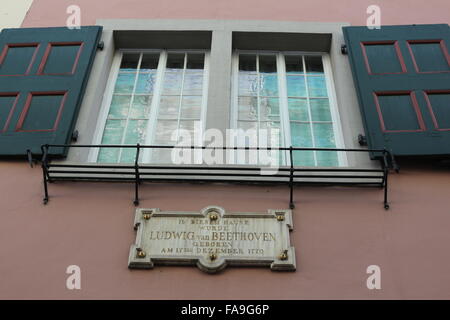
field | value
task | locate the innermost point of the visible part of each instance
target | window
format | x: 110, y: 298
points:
x: 153, y: 94
x: 292, y: 92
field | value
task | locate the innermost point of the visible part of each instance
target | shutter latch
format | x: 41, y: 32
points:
x: 30, y: 158
x: 101, y: 45
x: 362, y: 140
x: 344, y: 49
x: 75, y: 135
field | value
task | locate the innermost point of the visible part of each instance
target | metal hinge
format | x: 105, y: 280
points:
x: 344, y: 49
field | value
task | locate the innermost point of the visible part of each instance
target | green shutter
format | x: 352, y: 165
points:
x: 43, y: 75
x: 402, y: 77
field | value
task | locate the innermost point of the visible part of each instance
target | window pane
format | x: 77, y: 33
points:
x: 294, y: 64
x: 119, y: 107
x: 141, y: 107
x: 164, y: 131
x: 135, y: 134
x: 269, y: 85
x: 125, y: 83
x: 248, y: 84
x: 314, y: 64
x: 188, y: 125
x: 317, y: 87
x: 301, y: 135
x: 270, y: 109
x: 149, y: 62
x: 298, y: 109
x: 296, y: 86
x: 172, y: 82
x: 146, y: 83
x: 247, y: 62
x: 193, y: 83
x: 175, y: 61
x: 327, y: 159
x: 129, y: 61
x: 112, y: 134
x: 324, y: 135
x: 267, y: 64
x: 320, y: 110
x: 195, y: 61
x: 303, y: 158
x: 168, y: 108
x: 247, y: 108
x: 191, y: 107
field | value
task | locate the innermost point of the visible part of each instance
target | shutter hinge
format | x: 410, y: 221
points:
x: 75, y: 135
x: 344, y: 49
x: 101, y: 45
x: 362, y: 140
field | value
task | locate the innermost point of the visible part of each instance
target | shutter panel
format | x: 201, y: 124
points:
x: 402, y: 77
x: 43, y: 75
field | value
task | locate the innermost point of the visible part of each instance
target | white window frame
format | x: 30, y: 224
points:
x: 146, y: 155
x: 282, y: 87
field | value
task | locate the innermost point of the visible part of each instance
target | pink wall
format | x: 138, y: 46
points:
x: 53, y: 13
x: 338, y: 232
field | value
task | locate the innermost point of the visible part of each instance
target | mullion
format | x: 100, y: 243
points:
x: 129, y: 107
x: 309, y: 110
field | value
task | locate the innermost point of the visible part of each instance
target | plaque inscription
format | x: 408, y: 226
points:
x: 212, y: 239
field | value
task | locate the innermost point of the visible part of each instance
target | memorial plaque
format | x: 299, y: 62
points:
x: 213, y: 239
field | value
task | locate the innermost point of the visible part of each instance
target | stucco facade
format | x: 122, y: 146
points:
x: 338, y: 232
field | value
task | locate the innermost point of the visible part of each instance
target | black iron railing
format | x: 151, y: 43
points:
x: 290, y: 175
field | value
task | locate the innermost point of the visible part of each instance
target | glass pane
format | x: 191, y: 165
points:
x: 193, y: 83
x: 324, y: 135
x: 135, y: 134
x: 247, y: 62
x: 111, y: 135
x: 247, y: 108
x: 149, y: 62
x: 317, y: 86
x: 168, y: 108
x: 146, y: 83
x: 248, y: 84
x: 298, y: 109
x: 267, y: 64
x: 314, y: 64
x: 175, y: 61
x: 119, y: 107
x: 303, y: 158
x: 164, y: 131
x: 301, y: 135
x: 195, y: 61
x: 269, y: 85
x: 270, y: 109
x: 162, y: 156
x: 327, y: 159
x: 296, y: 86
x: 140, y: 107
x: 191, y: 107
x: 129, y: 61
x: 125, y: 83
x: 188, y: 125
x: 172, y: 82
x: 294, y: 64
x: 320, y: 110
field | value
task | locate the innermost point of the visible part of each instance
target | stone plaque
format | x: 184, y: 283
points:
x: 213, y: 239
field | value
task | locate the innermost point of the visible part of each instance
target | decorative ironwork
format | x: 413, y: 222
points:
x: 289, y: 175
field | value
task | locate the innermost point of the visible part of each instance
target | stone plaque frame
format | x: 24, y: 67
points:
x: 271, y: 230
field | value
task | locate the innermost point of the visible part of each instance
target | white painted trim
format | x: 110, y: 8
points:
x: 334, y: 109
x: 106, y: 103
